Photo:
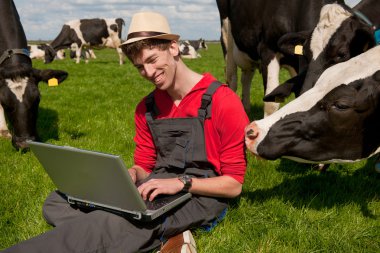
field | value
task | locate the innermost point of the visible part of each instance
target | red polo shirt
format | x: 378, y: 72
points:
x: 224, y: 131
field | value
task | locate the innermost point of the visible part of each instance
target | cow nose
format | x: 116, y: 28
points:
x: 251, y: 134
x: 20, y: 143
x: 251, y: 131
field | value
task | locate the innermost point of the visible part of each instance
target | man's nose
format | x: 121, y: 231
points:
x: 149, y: 70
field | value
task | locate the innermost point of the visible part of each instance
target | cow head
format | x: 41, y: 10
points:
x: 19, y: 100
x: 50, y: 53
x: 337, y: 120
x: 202, y: 44
x: 338, y: 36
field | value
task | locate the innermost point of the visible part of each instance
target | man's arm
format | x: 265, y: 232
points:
x: 221, y: 186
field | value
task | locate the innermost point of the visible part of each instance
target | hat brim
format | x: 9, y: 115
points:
x: 161, y: 36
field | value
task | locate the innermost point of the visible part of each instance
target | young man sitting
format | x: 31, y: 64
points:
x: 189, y: 137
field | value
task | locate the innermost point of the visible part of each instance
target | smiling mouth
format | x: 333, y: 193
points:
x: 158, y: 79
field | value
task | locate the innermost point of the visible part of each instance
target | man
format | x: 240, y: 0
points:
x: 189, y: 137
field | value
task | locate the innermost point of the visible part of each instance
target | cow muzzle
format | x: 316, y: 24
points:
x: 251, y: 134
x: 20, y: 143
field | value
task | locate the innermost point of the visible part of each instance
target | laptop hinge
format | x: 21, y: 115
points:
x: 95, y: 206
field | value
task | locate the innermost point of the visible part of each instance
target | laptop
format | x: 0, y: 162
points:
x: 94, y: 180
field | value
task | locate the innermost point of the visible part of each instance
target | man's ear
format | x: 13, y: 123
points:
x: 174, y: 48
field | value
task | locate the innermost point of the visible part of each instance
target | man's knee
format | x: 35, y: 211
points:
x: 53, y: 207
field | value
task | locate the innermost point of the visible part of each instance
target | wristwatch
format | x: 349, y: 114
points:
x: 187, y: 181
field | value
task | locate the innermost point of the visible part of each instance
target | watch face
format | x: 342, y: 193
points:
x: 186, y: 180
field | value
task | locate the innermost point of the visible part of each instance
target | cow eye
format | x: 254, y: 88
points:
x: 340, y: 106
x: 342, y: 56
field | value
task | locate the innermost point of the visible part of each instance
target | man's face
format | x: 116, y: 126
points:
x: 158, y: 66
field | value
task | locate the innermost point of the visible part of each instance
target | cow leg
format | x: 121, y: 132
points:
x: 92, y: 54
x: 246, y: 79
x: 78, y: 54
x: 121, y: 55
x: 231, y: 67
x: 231, y: 72
x: 4, y: 132
x: 271, y: 73
x: 321, y: 167
x: 247, y: 70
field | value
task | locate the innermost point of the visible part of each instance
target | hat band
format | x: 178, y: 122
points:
x: 143, y: 34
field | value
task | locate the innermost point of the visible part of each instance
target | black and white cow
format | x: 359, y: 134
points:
x: 90, y: 33
x: 340, y: 34
x: 39, y: 52
x: 250, y: 31
x: 338, y: 120
x: 187, y: 50
x: 19, y: 94
x: 198, y: 44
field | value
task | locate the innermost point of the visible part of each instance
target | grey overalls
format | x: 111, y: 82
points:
x: 180, y: 150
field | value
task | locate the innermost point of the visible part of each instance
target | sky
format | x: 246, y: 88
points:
x: 192, y: 19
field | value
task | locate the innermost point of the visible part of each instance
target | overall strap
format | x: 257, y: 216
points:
x: 204, y: 110
x: 151, y: 108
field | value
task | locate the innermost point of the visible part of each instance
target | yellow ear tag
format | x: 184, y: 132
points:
x: 53, y: 82
x: 298, y: 49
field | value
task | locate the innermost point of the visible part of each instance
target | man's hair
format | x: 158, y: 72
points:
x: 133, y: 49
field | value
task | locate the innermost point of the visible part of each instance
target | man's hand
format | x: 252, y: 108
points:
x: 133, y: 174
x: 137, y: 173
x: 152, y: 188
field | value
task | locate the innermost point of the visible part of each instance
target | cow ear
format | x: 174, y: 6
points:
x: 288, y: 42
x: 368, y: 94
x: 50, y: 53
x: 280, y: 93
x: 46, y: 74
x: 362, y: 41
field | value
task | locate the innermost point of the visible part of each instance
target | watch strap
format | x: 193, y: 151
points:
x: 187, y: 182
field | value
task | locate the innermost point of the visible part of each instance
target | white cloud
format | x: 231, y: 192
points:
x: 192, y: 19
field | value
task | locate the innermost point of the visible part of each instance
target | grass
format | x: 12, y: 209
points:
x: 285, y: 206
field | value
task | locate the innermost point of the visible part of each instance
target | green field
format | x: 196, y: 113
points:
x: 285, y: 206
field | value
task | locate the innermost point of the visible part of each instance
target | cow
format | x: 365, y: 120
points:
x: 341, y: 33
x: 90, y: 33
x: 337, y: 120
x: 38, y: 52
x: 19, y: 94
x: 42, y: 52
x: 188, y: 51
x: 250, y: 31
x: 198, y: 44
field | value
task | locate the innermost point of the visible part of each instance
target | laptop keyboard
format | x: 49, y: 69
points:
x: 160, y: 201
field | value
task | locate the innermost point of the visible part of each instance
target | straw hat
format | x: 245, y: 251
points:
x: 147, y: 25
